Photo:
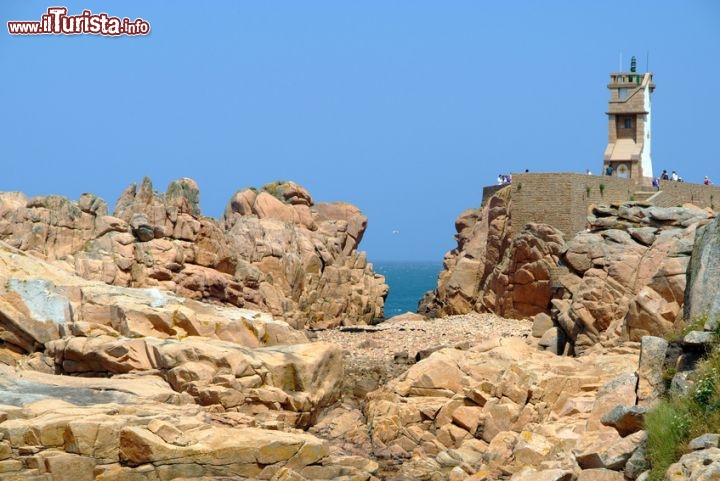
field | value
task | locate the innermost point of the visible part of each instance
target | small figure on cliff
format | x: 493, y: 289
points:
x: 656, y: 183
x: 501, y: 179
x: 665, y: 175
x: 608, y: 170
x: 674, y: 176
x: 588, y: 172
x: 707, y: 181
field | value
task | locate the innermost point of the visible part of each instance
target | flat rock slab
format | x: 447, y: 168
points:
x: 31, y: 386
x: 230, y: 451
x: 18, y: 392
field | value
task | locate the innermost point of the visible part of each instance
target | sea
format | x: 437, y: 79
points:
x: 408, y: 281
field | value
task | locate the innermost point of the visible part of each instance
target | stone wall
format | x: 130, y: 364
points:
x: 563, y: 199
x: 490, y: 190
x: 677, y: 193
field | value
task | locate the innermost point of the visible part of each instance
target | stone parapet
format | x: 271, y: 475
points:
x: 563, y: 200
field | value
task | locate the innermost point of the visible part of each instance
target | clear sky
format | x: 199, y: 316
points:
x: 404, y: 108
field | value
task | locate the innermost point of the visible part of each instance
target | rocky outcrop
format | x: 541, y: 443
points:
x: 483, y: 236
x: 157, y: 386
x: 622, y: 279
x: 102, y: 382
x: 493, y: 411
x: 229, y: 358
x: 274, y: 250
x: 106, y: 381
x: 54, y: 440
x: 299, y: 380
x: 496, y: 268
x: 627, y: 275
x: 523, y: 281
x: 40, y: 303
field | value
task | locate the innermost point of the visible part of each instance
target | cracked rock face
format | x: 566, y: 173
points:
x: 274, y: 249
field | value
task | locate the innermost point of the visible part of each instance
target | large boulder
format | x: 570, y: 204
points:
x: 703, y: 274
x: 521, y: 284
x: 497, y: 267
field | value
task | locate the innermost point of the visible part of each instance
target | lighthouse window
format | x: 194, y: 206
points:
x: 627, y: 123
x: 622, y: 93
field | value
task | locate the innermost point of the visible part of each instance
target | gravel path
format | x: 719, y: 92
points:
x: 376, y: 354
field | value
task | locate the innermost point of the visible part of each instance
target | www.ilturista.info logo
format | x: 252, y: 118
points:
x: 57, y: 21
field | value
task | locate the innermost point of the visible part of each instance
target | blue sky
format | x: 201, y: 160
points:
x: 404, y: 108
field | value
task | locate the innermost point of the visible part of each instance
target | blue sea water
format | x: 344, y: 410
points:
x: 408, y: 282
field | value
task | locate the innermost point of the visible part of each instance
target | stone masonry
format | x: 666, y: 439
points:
x: 563, y: 200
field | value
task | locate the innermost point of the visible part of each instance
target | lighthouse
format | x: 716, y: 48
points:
x: 628, y: 151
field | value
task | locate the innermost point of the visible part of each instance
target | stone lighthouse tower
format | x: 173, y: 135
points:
x: 628, y: 149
